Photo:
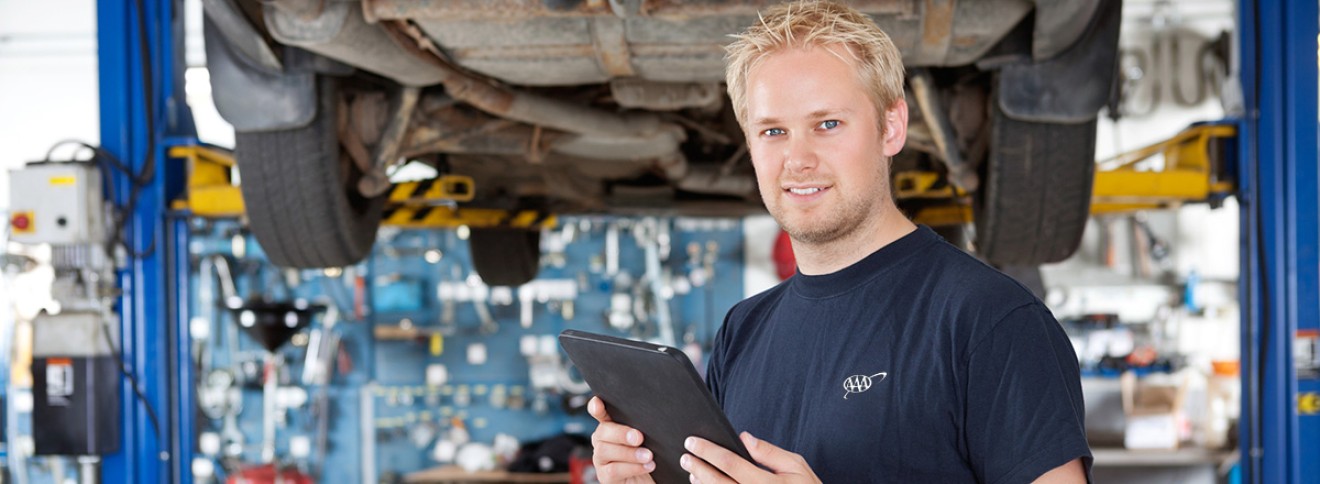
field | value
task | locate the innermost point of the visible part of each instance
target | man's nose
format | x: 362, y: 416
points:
x: 799, y: 155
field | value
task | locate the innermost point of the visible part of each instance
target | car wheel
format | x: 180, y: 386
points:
x: 1035, y: 195
x: 300, y: 191
x: 955, y: 235
x: 505, y: 256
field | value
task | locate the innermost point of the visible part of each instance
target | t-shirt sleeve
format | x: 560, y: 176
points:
x: 715, y: 363
x: 1025, y: 414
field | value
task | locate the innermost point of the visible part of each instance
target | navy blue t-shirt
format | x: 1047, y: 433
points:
x: 918, y: 363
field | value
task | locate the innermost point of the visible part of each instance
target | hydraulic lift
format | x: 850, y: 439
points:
x: 212, y: 193
x: 144, y: 120
x: 1280, y: 231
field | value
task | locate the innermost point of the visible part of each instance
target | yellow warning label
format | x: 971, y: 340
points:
x: 1308, y: 403
x: 62, y: 180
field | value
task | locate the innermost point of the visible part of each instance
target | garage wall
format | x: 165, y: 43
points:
x: 47, y: 79
x: 1150, y: 30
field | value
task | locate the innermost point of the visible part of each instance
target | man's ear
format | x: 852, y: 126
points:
x: 896, y: 124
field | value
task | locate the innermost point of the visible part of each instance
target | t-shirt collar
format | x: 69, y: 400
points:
x: 873, y: 265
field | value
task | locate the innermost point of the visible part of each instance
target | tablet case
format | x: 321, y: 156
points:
x: 654, y: 389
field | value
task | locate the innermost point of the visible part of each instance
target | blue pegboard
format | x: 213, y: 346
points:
x: 399, y: 283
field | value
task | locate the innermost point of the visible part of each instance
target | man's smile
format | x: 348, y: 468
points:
x: 806, y: 192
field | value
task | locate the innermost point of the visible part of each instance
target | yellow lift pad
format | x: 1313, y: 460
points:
x: 211, y: 191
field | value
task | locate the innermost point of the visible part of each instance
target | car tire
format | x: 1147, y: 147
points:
x: 1035, y: 194
x: 300, y: 192
x: 1029, y: 276
x: 955, y: 235
x: 505, y: 256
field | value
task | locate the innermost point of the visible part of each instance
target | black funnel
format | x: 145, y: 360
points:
x: 273, y: 323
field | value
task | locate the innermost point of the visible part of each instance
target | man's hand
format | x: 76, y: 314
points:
x: 617, y: 450
x: 708, y: 463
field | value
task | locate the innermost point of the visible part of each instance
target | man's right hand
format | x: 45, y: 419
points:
x: 617, y: 450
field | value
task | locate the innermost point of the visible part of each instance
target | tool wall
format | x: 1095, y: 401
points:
x: 408, y: 361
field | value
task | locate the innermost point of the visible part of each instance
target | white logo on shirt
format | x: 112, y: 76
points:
x: 861, y: 383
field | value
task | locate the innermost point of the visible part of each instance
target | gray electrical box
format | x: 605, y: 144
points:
x: 56, y: 203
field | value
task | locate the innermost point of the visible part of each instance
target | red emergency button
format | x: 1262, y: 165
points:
x: 21, y: 222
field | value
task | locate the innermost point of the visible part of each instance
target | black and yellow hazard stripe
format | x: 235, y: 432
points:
x: 434, y: 216
x: 456, y: 188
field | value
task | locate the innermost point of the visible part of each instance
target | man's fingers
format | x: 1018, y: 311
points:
x: 779, y: 460
x: 701, y: 472
x: 726, y: 461
x: 605, y: 453
x: 611, y: 432
x: 622, y: 471
x: 616, y: 449
x: 596, y: 407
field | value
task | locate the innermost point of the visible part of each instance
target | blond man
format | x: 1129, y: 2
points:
x: 891, y: 356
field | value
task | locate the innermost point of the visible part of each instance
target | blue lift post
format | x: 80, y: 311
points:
x: 135, y: 74
x: 1280, y: 230
x: 183, y: 413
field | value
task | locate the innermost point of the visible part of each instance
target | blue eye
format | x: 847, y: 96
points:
x: 830, y: 124
x: 773, y: 132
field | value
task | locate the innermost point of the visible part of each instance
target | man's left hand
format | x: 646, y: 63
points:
x: 708, y: 463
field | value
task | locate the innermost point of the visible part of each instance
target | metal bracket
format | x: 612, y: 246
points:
x: 376, y: 181
x: 228, y: 18
x: 612, y: 46
x: 961, y: 173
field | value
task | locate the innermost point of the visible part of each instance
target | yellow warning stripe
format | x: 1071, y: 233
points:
x: 448, y: 217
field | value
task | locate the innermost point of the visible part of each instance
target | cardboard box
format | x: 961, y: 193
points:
x: 1153, y: 412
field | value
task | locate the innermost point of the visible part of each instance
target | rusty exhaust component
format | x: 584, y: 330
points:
x: 599, y: 130
x: 961, y: 173
x: 528, y: 108
x: 377, y: 10
x: 639, y: 137
x: 376, y: 182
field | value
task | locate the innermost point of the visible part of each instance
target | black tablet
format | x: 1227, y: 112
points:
x: 654, y: 389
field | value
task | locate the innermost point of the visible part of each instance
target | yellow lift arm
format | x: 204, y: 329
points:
x: 212, y: 193
x: 1191, y: 173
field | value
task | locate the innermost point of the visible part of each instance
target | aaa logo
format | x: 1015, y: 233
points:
x: 861, y: 383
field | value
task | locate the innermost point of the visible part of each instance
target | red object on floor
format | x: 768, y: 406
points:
x: 785, y: 262
x: 265, y: 474
x: 581, y: 469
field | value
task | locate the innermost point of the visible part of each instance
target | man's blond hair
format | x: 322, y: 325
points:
x: 817, y: 23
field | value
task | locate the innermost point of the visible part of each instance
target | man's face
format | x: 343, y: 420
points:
x: 815, y: 139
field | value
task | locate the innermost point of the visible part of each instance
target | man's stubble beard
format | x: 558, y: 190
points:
x: 846, y: 217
